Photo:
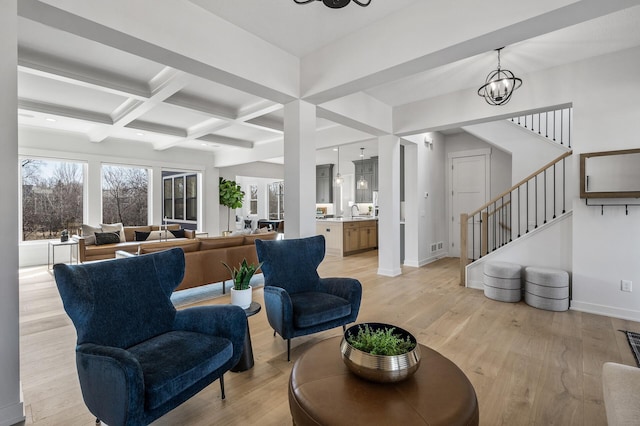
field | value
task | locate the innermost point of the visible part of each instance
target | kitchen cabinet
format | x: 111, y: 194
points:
x: 351, y: 237
x: 369, y: 170
x: 348, y: 236
x: 368, y: 238
x: 324, y: 184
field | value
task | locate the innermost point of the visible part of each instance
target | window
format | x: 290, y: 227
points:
x: 180, y: 197
x: 125, y: 195
x: 253, y: 199
x: 51, y: 197
x: 276, y: 201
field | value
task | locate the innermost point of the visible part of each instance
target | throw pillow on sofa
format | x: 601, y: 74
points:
x: 178, y: 233
x: 107, y: 238
x: 141, y: 236
x: 155, y: 235
x: 88, y: 232
x: 114, y: 227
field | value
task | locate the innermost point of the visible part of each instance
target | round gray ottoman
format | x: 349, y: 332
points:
x: 502, y: 281
x: 546, y: 288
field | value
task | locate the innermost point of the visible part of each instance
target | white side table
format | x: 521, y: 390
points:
x: 51, y: 252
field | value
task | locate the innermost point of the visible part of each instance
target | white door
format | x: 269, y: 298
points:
x: 468, y: 192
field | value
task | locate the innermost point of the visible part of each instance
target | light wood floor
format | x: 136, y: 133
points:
x: 528, y: 367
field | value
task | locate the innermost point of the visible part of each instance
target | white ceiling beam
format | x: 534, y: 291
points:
x: 223, y: 140
x: 195, y: 132
x: 257, y: 110
x: 267, y: 124
x: 410, y: 41
x: 277, y: 78
x: 157, y: 128
x: 39, y: 64
x: 359, y: 111
x: 205, y: 129
x: 163, y: 85
x: 198, y: 104
x: 64, y: 111
x: 260, y: 152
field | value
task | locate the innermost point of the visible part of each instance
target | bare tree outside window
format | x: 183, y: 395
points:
x: 253, y: 199
x: 51, y: 198
x: 276, y: 200
x: 124, y: 195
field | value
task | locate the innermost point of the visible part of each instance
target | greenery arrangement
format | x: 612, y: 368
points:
x: 242, y: 276
x: 231, y: 196
x: 380, y: 342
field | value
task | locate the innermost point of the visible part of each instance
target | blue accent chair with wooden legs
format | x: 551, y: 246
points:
x: 137, y: 357
x: 297, y: 301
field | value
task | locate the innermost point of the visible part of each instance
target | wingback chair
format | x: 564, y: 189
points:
x: 137, y: 357
x: 297, y: 301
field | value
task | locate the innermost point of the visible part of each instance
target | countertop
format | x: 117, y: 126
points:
x: 347, y: 219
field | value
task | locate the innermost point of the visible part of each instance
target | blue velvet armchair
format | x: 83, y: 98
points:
x: 137, y: 357
x: 297, y: 301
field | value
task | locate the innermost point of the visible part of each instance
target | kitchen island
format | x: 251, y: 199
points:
x: 348, y: 235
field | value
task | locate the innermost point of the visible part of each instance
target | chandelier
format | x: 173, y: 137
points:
x: 336, y: 4
x: 362, y: 183
x: 499, y: 86
x: 338, y: 180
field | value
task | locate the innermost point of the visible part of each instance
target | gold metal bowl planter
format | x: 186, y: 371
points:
x: 380, y: 368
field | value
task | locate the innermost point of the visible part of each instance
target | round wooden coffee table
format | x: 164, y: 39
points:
x: 322, y: 391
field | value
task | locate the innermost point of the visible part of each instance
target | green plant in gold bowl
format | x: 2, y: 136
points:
x: 380, y: 352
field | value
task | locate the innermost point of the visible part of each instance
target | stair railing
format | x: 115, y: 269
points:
x: 555, y: 125
x: 532, y: 202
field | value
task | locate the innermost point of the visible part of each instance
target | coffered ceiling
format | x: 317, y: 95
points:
x: 78, y: 84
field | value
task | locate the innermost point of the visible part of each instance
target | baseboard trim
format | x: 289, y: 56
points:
x: 423, y: 262
x: 389, y: 272
x: 608, y: 311
x: 478, y: 285
x: 12, y: 414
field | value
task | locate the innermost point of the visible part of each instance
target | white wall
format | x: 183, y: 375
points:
x: 69, y: 146
x: 529, y: 151
x: 606, y: 246
x: 11, y: 406
x: 425, y: 217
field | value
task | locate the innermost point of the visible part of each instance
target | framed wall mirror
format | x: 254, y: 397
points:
x: 610, y: 174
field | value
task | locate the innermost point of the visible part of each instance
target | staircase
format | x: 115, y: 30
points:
x: 554, y: 125
x: 534, y: 201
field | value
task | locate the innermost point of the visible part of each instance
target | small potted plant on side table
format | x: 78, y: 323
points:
x: 241, y: 290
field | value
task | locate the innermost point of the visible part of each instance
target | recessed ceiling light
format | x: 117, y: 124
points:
x: 335, y: 149
x: 204, y: 144
x: 139, y: 133
x: 51, y: 120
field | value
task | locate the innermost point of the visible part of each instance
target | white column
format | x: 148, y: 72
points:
x: 389, y: 204
x: 299, y: 169
x: 211, y: 201
x: 154, y: 214
x: 416, y: 199
x: 11, y: 406
x: 93, y: 196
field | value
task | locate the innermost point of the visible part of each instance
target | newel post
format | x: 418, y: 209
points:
x: 464, y: 219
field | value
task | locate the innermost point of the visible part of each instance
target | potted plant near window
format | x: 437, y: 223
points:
x: 241, y: 290
x: 231, y: 196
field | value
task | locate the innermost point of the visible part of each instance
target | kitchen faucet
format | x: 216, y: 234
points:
x: 357, y: 210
